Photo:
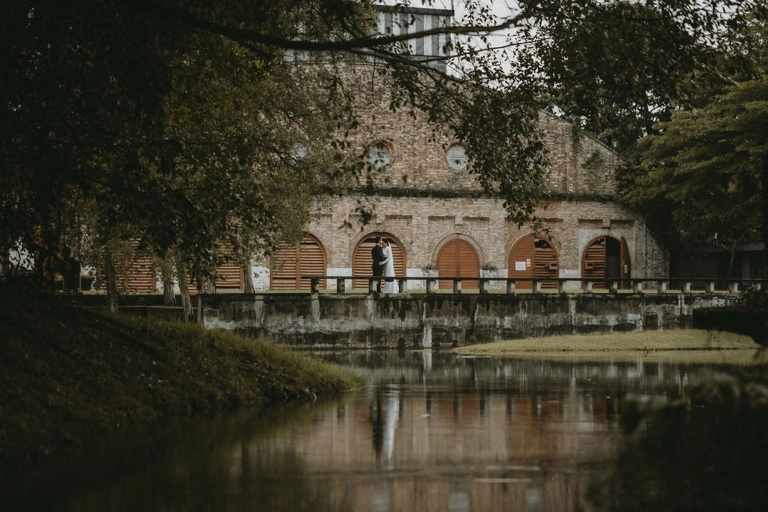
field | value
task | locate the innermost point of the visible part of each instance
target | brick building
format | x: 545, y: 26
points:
x: 426, y: 200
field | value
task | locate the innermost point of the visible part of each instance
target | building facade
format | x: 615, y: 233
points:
x: 426, y: 200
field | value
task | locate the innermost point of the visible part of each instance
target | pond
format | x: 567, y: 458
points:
x: 432, y: 432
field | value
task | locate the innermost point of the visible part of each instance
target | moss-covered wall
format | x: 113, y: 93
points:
x: 444, y: 321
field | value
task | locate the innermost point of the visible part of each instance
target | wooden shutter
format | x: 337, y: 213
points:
x: 289, y: 263
x: 311, y: 262
x: 229, y: 277
x: 284, y: 268
x: 458, y: 258
x: 539, y: 258
x: 362, y: 261
x: 547, y: 264
x: 593, y: 261
x: 139, y: 275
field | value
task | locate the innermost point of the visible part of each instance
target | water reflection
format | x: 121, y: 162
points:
x: 432, y: 432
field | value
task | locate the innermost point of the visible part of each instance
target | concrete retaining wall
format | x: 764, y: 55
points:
x: 444, y: 321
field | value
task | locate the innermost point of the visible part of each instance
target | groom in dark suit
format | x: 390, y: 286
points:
x: 377, y: 253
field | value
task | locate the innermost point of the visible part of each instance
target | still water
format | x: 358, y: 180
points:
x: 431, y: 432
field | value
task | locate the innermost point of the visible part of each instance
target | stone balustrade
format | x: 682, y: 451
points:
x: 577, y: 285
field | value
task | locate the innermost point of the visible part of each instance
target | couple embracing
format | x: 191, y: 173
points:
x: 384, y: 265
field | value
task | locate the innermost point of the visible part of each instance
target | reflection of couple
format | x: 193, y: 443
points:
x: 384, y: 265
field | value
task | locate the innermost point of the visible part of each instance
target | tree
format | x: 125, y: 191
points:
x: 156, y: 131
x: 701, y: 179
x: 617, y: 69
x: 174, y: 122
x: 708, y: 168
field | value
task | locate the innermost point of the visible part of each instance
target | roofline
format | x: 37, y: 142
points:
x: 413, y: 10
x: 584, y: 133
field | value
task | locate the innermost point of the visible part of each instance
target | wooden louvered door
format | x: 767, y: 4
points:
x: 229, y: 276
x: 593, y: 261
x: 547, y: 264
x: 289, y: 263
x: 311, y: 262
x: 521, y: 260
x: 139, y: 275
x: 362, y: 260
x: 458, y: 258
x: 533, y: 257
x: 283, y: 268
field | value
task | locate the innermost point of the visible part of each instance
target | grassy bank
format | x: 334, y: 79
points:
x: 68, y: 375
x: 680, y: 345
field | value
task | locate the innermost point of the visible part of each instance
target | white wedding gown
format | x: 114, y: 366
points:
x: 389, y: 272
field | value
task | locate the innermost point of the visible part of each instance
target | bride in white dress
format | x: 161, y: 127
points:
x: 390, y: 284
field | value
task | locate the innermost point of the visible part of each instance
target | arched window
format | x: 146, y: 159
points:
x: 362, y: 260
x: 533, y: 257
x: 606, y: 257
x: 289, y: 263
x: 458, y: 258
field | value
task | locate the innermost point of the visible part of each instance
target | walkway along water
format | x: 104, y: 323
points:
x: 444, y: 320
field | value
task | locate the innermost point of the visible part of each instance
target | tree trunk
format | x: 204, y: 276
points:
x: 186, y: 299
x: 166, y: 270
x: 247, y: 273
x: 109, y: 268
x: 731, y: 260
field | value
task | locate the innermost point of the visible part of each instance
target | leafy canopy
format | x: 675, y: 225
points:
x: 703, y: 175
x: 174, y: 121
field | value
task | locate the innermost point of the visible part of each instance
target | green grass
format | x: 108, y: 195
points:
x: 688, y: 345
x: 69, y: 375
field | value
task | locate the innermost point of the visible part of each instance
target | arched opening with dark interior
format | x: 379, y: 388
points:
x: 606, y: 258
x: 362, y: 261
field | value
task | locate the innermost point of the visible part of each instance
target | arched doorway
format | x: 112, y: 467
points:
x: 289, y: 263
x: 458, y: 258
x: 361, y: 258
x: 533, y: 258
x: 606, y: 257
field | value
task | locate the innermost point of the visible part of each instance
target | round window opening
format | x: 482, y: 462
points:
x: 457, y: 157
x: 379, y: 155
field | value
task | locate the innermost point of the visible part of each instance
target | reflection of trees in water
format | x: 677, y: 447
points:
x: 221, y: 464
x: 493, y: 375
x: 706, y: 452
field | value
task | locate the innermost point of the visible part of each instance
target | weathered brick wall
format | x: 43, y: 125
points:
x: 580, y: 164
x: 421, y: 224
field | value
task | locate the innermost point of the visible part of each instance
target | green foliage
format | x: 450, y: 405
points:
x: 707, y: 167
x: 127, y: 123
x: 616, y: 69
x: 70, y: 374
x: 756, y: 300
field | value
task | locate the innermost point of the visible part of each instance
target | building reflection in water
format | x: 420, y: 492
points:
x: 436, y: 432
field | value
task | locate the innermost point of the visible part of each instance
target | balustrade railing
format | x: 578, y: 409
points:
x: 560, y: 285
